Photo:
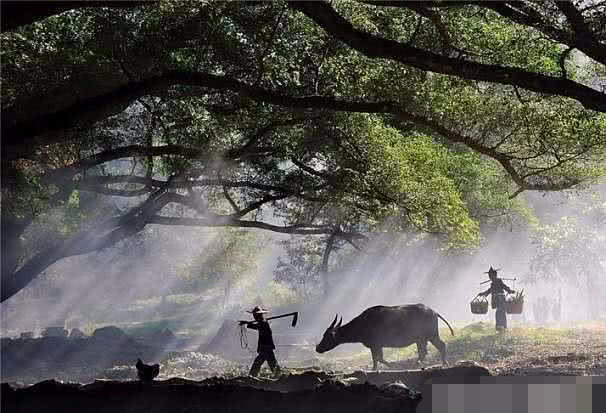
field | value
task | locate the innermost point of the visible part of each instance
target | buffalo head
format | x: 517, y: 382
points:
x: 329, y: 340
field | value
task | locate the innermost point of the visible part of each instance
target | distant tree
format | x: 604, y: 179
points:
x: 301, y: 268
x: 228, y: 258
x: 573, y: 250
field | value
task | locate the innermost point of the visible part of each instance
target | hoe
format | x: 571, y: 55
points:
x: 295, y: 317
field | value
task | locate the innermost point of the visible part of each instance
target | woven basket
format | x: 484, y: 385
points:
x: 479, y: 305
x: 514, y: 305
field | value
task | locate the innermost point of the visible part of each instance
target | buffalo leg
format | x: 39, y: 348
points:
x: 380, y: 357
x: 377, y: 356
x: 439, y: 344
x: 422, y: 350
x: 374, y: 351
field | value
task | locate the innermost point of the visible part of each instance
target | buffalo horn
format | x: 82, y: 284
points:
x: 340, y: 321
x: 334, y: 321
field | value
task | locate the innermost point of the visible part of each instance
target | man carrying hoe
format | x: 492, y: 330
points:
x: 265, y: 346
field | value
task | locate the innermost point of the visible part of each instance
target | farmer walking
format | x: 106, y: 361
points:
x: 497, y: 289
x: 265, y: 346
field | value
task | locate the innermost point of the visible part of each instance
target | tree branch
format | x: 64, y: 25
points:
x: 102, y: 235
x: 315, y: 102
x: 19, y: 139
x: 574, y: 17
x: 519, y: 12
x: 376, y: 47
x: 256, y: 205
x: 330, y: 243
x: 438, y: 4
x: 19, y: 13
x: 231, y: 200
x: 229, y: 221
x: 95, y: 183
x: 263, y: 131
x: 436, y: 21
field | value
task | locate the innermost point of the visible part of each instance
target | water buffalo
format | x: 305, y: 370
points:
x: 381, y: 326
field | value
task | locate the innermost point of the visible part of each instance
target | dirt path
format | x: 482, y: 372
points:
x: 578, y: 352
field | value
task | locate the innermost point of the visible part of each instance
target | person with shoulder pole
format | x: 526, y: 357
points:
x: 497, y: 289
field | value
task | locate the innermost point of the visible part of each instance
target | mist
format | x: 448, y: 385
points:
x: 145, y: 279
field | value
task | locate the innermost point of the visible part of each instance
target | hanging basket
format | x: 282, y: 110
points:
x: 479, y: 305
x: 514, y: 304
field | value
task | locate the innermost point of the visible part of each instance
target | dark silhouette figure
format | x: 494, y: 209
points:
x: 265, y: 346
x: 497, y: 289
x: 388, y: 326
x: 145, y: 372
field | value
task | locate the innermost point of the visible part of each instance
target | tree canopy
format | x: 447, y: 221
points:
x: 341, y: 119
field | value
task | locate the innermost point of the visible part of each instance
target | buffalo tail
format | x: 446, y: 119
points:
x: 443, y: 319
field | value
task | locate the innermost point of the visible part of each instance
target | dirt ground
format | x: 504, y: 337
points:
x: 579, y: 352
x: 338, y: 380
x: 521, y: 351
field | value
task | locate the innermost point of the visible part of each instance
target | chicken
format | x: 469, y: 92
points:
x: 145, y: 372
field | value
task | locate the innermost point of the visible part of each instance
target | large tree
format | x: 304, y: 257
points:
x: 434, y: 115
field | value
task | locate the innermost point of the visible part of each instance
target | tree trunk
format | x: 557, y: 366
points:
x: 101, y: 236
x: 325, y: 258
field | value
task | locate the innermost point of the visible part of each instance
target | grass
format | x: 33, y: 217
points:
x: 148, y: 327
x: 480, y: 342
x: 175, y: 300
